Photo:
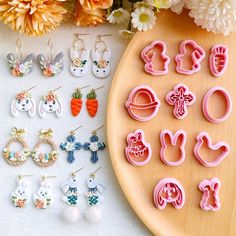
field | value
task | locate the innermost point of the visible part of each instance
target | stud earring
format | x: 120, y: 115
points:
x: 21, y: 196
x: 20, y: 67
x: 20, y: 157
x: 79, y: 56
x: 101, y: 57
x: 94, y: 146
x: 45, y: 159
x: 50, y: 103
x: 76, y: 101
x: 94, y: 198
x: 71, y: 146
x: 43, y: 197
x: 92, y: 102
x: 51, y: 66
x: 23, y: 102
x: 71, y: 213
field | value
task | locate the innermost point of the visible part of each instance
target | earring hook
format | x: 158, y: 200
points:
x: 44, y: 177
x: 31, y: 88
x: 99, y: 88
x: 57, y: 89
x: 50, y: 49
x: 93, y: 174
x: 19, y: 49
x: 22, y: 176
x: 73, y: 131
x: 75, y: 172
x: 94, y: 132
x: 79, y: 39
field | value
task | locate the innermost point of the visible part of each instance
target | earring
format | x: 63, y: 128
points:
x: 24, y: 102
x: 20, y: 67
x: 19, y: 157
x: 94, y: 198
x: 21, y: 196
x: 45, y: 159
x: 101, y: 57
x: 51, y: 66
x: 79, y: 56
x: 94, y: 146
x: 43, y: 197
x: 50, y: 104
x: 70, y: 188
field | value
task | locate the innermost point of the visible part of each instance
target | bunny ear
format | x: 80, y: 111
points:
x: 41, y: 111
x: 14, y: 111
x: 181, y: 138
x: 95, y: 55
x: 85, y: 54
x: 32, y: 110
x: 107, y: 55
x: 73, y: 54
x: 59, y: 110
x: 101, y: 187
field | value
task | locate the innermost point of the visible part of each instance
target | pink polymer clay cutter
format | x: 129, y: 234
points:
x: 180, y: 98
x: 203, y: 138
x: 138, y: 152
x: 169, y: 190
x: 196, y: 57
x: 154, y: 55
x: 178, y: 139
x: 142, y: 103
x: 210, y: 194
x: 218, y: 60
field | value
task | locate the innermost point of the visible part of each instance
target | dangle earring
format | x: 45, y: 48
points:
x: 79, y: 55
x: 23, y: 102
x: 43, y: 197
x: 101, y: 57
x: 51, y: 66
x: 50, y: 103
x: 94, y: 146
x: 71, y: 213
x: 94, y: 198
x: 20, y: 157
x: 71, y: 146
x: 20, y: 67
x: 21, y: 196
x: 45, y: 159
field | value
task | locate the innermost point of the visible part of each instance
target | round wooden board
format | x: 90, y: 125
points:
x: 138, y: 182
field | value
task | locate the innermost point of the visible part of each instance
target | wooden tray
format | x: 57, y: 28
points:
x: 138, y: 182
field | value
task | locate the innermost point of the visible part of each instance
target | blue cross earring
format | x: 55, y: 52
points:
x: 94, y: 146
x: 71, y: 145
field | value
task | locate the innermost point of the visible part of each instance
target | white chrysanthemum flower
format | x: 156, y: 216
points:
x: 160, y: 4
x: 143, y: 19
x: 217, y: 16
x: 145, y: 4
x: 118, y: 16
x: 127, y: 34
x: 177, y: 6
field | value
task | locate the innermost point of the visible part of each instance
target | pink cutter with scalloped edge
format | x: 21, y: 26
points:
x: 180, y: 98
x: 198, y: 54
x: 210, y: 189
x: 137, y: 108
x: 180, y: 136
x: 148, y: 54
x: 206, y: 101
x: 204, y: 137
x: 169, y: 190
x: 218, y: 59
x: 138, y: 151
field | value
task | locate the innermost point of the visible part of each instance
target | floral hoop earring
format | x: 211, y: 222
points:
x: 45, y: 159
x: 20, y: 157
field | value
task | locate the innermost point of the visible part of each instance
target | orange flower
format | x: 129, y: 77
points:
x: 15, y: 72
x: 39, y: 204
x: 20, y: 203
x: 95, y: 4
x: 89, y: 17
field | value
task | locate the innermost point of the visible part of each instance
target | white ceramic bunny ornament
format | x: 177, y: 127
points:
x: 23, y: 102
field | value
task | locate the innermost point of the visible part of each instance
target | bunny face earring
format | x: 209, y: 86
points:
x: 23, y: 102
x: 20, y: 67
x: 79, y: 56
x: 101, y: 57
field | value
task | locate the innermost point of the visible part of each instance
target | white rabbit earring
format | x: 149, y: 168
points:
x: 79, y: 55
x: 51, y: 66
x: 21, y: 196
x: 23, y: 102
x: 101, y: 57
x: 43, y: 197
x: 50, y: 104
x: 20, y: 67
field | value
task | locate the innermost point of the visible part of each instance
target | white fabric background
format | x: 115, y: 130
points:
x: 118, y: 218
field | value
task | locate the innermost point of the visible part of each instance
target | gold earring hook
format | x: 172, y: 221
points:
x: 93, y: 174
x: 44, y: 177
x: 73, y: 131
x: 77, y: 35
x: 19, y: 49
x: 99, y: 36
x: 94, y: 132
x: 31, y: 88
x: 75, y: 172
x: 50, y: 49
x: 22, y: 176
x: 57, y: 89
x: 99, y: 88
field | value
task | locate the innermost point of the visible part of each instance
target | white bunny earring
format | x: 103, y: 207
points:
x: 79, y: 56
x: 23, y: 102
x: 101, y: 57
x: 50, y: 104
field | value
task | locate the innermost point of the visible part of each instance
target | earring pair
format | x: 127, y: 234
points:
x: 79, y: 55
x: 42, y: 198
x: 49, y: 65
x: 17, y: 158
x: 93, y: 197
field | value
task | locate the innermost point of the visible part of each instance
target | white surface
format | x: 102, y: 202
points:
x: 118, y: 218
